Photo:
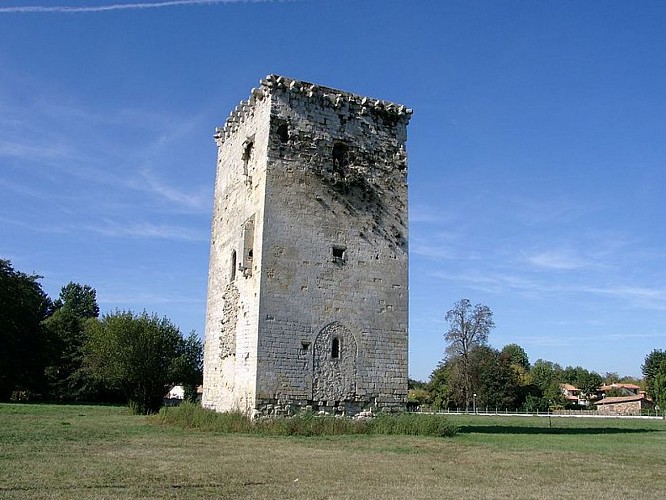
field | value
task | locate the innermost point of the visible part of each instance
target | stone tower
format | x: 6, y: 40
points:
x: 307, y: 286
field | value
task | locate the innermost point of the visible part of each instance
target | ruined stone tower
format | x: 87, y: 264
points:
x: 307, y: 286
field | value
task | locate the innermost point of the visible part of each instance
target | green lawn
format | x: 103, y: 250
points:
x: 49, y: 451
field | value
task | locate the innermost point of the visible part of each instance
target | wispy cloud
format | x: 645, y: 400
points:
x: 112, y: 229
x: 427, y: 214
x: 146, y: 298
x: 558, y: 259
x: 577, y: 340
x: 148, y: 230
x: 490, y: 282
x: 199, y: 201
x: 38, y: 228
x: 494, y: 282
x: 646, y: 297
x: 440, y: 240
x: 22, y: 149
x: 117, y: 6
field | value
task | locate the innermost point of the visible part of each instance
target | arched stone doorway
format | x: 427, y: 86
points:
x: 335, y: 365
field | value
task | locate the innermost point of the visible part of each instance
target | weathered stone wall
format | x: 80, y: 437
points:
x: 628, y: 408
x: 230, y: 352
x: 329, y: 276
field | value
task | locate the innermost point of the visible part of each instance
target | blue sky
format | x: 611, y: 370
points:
x: 536, y: 153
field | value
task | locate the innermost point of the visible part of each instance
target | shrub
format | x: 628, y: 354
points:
x: 412, y: 424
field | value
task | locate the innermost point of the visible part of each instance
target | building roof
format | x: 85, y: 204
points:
x: 620, y: 399
x: 568, y: 387
x: 631, y: 387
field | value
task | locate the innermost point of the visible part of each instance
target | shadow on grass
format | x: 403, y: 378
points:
x: 507, y: 429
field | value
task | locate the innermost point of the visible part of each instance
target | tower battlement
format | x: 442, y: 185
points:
x: 346, y: 102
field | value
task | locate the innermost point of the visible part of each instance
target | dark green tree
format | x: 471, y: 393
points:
x: 492, y: 377
x: 469, y: 328
x: 546, y: 377
x: 654, y: 372
x: 23, y: 307
x: 416, y: 384
x: 80, y: 300
x: 65, y: 327
x: 517, y: 355
x: 494, y: 381
x: 439, y: 387
x: 141, y: 355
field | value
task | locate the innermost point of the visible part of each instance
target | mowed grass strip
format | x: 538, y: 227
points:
x: 49, y: 451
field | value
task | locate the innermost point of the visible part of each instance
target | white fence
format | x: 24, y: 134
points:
x: 651, y: 414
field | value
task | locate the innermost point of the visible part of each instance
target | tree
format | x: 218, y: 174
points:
x: 494, y: 380
x: 141, y: 355
x: 416, y: 384
x: 659, y: 386
x: 23, y: 306
x: 654, y: 372
x: 80, y: 300
x: 611, y: 378
x: 517, y: 355
x: 468, y: 328
x: 585, y: 381
x: 65, y: 328
x: 546, y: 376
x: 439, y: 387
x: 492, y: 376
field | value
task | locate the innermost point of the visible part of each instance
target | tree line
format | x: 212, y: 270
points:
x: 62, y: 350
x: 473, y: 374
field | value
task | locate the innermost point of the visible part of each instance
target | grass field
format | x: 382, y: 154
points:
x: 49, y: 451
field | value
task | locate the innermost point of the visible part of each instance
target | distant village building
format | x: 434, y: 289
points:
x: 307, y: 288
x: 624, y: 405
x: 622, y: 389
x: 572, y: 395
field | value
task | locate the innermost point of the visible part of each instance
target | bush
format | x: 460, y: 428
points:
x: 412, y: 424
x: 192, y: 416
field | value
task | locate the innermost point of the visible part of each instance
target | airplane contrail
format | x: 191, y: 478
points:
x: 117, y: 6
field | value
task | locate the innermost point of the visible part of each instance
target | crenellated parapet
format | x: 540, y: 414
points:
x: 323, y: 96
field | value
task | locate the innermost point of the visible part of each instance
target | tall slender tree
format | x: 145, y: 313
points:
x: 469, y: 328
x: 65, y: 327
x: 654, y: 371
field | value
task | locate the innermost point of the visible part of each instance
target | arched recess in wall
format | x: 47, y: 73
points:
x: 335, y: 364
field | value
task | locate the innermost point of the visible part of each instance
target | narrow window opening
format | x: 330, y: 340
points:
x: 248, y: 247
x: 341, y: 157
x: 233, y: 265
x: 248, y: 153
x: 283, y: 133
x: 339, y: 254
x: 335, y: 348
